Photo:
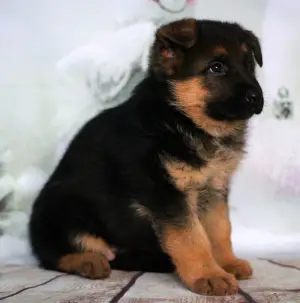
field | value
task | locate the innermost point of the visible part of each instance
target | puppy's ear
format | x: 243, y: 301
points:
x: 253, y: 42
x: 181, y: 33
x: 172, y: 40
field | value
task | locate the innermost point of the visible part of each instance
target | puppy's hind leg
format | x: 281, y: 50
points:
x: 91, y: 265
x: 64, y: 234
x: 92, y: 261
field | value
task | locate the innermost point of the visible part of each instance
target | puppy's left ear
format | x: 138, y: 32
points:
x: 253, y: 42
x: 181, y: 33
x: 171, y: 43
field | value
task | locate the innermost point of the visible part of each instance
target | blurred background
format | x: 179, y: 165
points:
x: 57, y: 59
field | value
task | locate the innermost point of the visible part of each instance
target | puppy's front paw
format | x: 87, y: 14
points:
x: 219, y: 285
x: 241, y: 269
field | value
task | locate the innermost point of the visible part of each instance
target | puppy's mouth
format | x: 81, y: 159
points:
x: 234, y: 109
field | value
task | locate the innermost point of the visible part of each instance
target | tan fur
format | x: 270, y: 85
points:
x: 191, y: 253
x: 218, y: 228
x: 87, y: 264
x: 190, y: 99
x: 220, y: 50
x: 217, y: 225
x: 220, y: 167
x: 93, y: 244
x: 184, y: 176
x: 190, y: 250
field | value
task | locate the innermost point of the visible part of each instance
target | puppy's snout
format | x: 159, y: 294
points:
x: 254, y: 98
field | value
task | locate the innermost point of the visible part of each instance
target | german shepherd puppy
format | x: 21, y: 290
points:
x: 150, y: 177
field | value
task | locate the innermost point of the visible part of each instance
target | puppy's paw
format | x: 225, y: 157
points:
x: 96, y: 268
x: 89, y: 265
x: 241, y: 269
x: 219, y: 285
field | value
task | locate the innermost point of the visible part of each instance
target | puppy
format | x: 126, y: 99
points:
x: 150, y: 178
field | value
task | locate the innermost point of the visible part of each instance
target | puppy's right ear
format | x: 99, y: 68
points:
x: 253, y: 42
x: 172, y: 40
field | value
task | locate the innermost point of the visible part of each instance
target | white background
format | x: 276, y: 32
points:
x: 35, y: 34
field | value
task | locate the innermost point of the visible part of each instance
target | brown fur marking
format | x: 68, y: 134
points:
x: 93, y: 244
x: 221, y: 166
x: 218, y: 228
x: 187, y: 180
x: 90, y: 265
x: 188, y: 248
x: 221, y: 170
x: 190, y: 99
x: 220, y: 50
x: 184, y: 176
x: 241, y: 269
x: 191, y: 253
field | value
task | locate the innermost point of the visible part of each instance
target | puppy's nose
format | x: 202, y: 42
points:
x: 254, y: 98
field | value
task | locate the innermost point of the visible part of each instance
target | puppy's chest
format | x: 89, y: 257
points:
x: 221, y: 157
x: 220, y: 160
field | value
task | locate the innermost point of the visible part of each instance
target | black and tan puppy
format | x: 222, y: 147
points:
x: 151, y: 177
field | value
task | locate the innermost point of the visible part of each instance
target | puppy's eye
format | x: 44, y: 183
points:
x: 218, y: 68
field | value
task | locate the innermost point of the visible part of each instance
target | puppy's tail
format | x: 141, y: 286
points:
x: 156, y: 262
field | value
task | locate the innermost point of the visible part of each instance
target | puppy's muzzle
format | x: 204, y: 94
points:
x: 255, y: 100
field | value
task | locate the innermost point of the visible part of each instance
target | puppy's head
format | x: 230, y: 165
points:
x: 211, y: 68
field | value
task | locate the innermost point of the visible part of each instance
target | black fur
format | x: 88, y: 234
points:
x: 111, y: 163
